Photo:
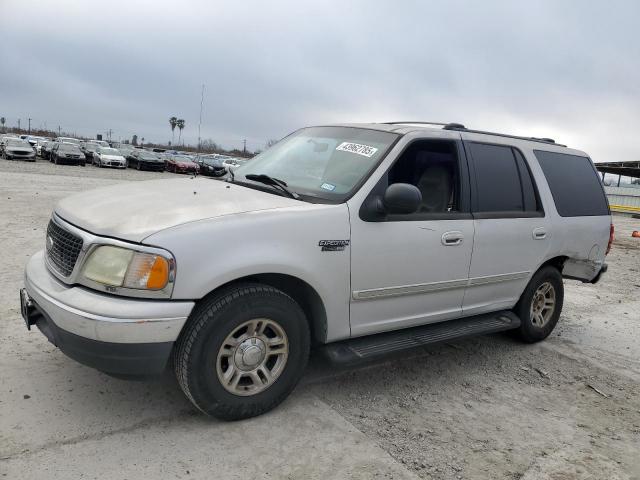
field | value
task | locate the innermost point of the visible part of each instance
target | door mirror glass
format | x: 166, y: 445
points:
x: 402, y: 198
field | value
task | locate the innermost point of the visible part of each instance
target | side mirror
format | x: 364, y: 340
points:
x: 402, y: 198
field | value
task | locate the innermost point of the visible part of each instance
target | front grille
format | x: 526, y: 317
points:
x: 63, y: 248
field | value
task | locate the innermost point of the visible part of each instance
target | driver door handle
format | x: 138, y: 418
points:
x: 451, y: 239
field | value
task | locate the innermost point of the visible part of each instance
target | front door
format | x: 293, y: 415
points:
x: 412, y: 269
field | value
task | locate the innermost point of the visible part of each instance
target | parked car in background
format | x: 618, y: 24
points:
x: 212, y: 165
x: 45, y: 150
x: 75, y: 141
x: 16, y: 149
x: 4, y: 138
x: 232, y: 163
x: 89, y: 148
x: 69, y: 153
x: 125, y: 149
x: 145, y: 160
x: 181, y: 164
x: 109, y: 157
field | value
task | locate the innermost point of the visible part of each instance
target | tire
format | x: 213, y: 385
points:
x: 537, y: 321
x: 200, y: 361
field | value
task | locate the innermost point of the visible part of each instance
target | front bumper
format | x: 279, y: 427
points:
x: 110, y: 333
x: 154, y: 166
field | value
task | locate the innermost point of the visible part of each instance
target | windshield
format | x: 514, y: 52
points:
x: 323, y: 162
x: 147, y: 156
x: 109, y: 151
x: 69, y: 140
x: 67, y: 147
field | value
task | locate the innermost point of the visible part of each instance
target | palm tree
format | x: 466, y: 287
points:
x: 180, y: 125
x: 173, y: 121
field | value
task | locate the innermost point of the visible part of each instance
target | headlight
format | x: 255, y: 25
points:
x: 121, y: 267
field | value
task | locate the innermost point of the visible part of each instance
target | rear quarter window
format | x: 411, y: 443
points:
x: 574, y: 184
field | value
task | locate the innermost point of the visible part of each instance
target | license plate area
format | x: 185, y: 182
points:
x: 27, y: 309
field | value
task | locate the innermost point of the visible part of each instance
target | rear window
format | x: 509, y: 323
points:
x: 503, y: 180
x: 574, y: 184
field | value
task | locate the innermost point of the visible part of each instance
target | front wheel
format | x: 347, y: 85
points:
x: 242, y: 352
x: 540, y: 305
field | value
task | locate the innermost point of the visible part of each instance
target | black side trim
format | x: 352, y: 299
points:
x: 357, y: 350
x: 118, y: 358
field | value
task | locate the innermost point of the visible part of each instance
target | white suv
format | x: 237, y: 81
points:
x: 359, y: 240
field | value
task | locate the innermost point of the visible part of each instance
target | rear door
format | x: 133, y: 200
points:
x: 511, y: 230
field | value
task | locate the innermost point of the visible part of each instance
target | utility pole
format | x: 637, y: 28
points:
x: 200, y: 121
x: 244, y: 145
x: 18, y: 124
x: 29, y: 127
x: 59, y: 131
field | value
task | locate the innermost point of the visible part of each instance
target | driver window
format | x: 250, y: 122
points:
x: 432, y: 166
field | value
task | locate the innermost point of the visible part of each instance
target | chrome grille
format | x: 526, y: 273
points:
x: 63, y: 248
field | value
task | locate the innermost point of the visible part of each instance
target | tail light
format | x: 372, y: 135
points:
x: 611, y: 239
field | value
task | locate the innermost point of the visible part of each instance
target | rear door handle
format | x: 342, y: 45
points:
x: 451, y: 239
x: 539, y: 233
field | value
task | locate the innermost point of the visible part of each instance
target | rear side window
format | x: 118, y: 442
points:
x: 503, y: 180
x: 574, y: 184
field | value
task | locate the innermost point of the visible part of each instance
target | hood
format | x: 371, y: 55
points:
x: 133, y: 211
x: 113, y: 157
x: 20, y: 149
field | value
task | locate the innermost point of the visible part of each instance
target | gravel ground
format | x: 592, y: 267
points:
x: 483, y: 408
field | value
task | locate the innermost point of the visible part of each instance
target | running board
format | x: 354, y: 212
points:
x: 367, y: 348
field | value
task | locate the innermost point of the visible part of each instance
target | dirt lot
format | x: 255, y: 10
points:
x: 485, y: 408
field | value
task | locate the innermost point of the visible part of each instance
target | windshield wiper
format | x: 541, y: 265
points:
x: 276, y: 182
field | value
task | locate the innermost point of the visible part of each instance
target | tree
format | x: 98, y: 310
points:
x: 173, y: 121
x: 2, y: 121
x: 210, y: 145
x: 180, y: 125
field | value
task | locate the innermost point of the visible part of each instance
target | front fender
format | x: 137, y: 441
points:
x: 211, y: 253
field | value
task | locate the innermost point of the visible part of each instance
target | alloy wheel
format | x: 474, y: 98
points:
x: 252, y: 357
x: 543, y: 304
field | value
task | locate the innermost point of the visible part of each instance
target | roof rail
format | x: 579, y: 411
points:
x: 417, y: 123
x: 549, y: 141
x: 462, y: 128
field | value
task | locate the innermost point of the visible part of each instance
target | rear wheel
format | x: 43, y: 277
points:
x: 242, y: 352
x: 540, y: 305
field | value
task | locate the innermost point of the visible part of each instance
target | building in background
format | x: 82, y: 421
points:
x: 622, y: 185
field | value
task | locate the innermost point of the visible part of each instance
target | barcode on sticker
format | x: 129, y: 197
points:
x: 364, y: 150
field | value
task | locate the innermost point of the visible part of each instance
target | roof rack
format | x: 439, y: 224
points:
x: 548, y: 141
x: 442, y: 124
x: 460, y: 127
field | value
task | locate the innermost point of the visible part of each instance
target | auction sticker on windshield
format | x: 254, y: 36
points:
x: 364, y: 150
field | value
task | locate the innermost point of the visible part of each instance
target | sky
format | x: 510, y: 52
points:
x: 569, y: 70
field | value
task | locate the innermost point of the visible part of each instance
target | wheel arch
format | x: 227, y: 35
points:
x: 304, y: 294
x: 557, y: 262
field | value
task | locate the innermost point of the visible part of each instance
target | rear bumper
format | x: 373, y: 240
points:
x: 602, y: 271
x: 113, y: 334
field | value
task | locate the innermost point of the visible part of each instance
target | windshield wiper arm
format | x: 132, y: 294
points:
x: 276, y: 182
